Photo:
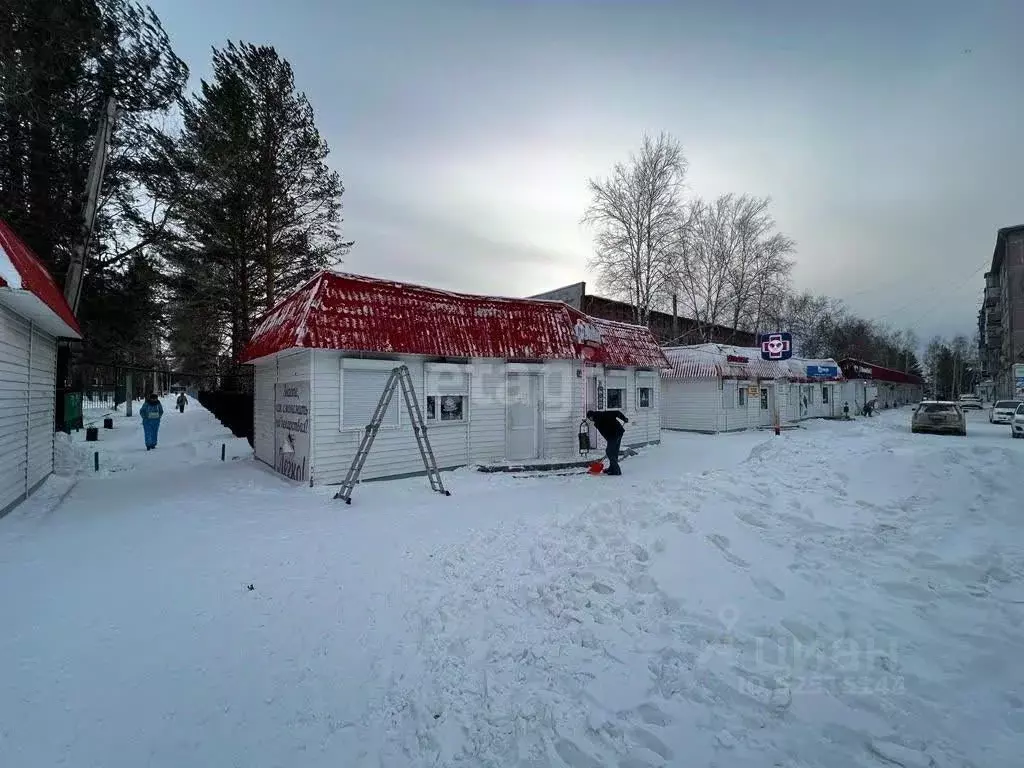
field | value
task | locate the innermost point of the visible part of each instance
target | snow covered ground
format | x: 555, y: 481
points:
x: 842, y: 595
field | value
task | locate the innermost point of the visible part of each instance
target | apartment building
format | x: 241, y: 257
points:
x: 1001, y: 320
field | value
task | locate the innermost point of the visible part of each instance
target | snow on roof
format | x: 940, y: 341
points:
x: 860, y: 369
x: 796, y: 368
x: 364, y: 314
x: 21, y: 272
x: 628, y: 345
x: 712, y: 361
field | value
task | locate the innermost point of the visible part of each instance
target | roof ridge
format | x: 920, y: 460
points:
x: 443, y: 291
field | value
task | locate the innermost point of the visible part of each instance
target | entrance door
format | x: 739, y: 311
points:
x: 523, y: 417
x: 766, y: 410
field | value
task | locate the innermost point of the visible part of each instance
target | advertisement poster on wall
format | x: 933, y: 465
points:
x: 1018, y: 380
x: 291, y: 429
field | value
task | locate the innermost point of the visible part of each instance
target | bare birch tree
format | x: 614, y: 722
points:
x: 634, y: 214
x: 759, y: 263
x: 705, y: 241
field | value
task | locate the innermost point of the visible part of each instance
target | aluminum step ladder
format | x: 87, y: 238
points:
x: 400, y: 376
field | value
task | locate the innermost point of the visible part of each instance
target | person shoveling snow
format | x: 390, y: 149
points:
x: 607, y: 423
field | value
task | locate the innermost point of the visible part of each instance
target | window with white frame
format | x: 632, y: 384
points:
x: 615, y: 392
x: 644, y: 391
x: 447, y: 396
x: 361, y: 389
x: 741, y: 397
x: 824, y: 395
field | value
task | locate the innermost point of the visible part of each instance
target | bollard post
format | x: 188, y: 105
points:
x: 223, y: 450
x: 96, y: 461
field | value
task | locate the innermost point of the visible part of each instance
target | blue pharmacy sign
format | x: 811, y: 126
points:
x: 822, y: 371
x: 776, y: 346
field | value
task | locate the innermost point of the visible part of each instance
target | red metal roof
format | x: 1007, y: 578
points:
x: 364, y: 314
x: 33, y: 277
x: 878, y: 372
x: 628, y: 345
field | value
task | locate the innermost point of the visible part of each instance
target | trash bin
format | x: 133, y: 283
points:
x: 92, y: 434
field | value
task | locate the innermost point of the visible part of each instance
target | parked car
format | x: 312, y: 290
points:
x: 939, y: 417
x: 1002, y: 411
x: 1017, y: 423
x: 970, y: 401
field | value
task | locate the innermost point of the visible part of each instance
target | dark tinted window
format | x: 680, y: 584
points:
x: 938, y: 408
x: 1007, y: 404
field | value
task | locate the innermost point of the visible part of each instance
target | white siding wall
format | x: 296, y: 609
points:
x: 691, y: 404
x: 42, y: 397
x: 855, y: 391
x: 288, y: 366
x: 561, y: 415
x: 735, y: 416
x: 27, y: 383
x: 487, y: 405
x: 713, y: 405
x: 481, y: 440
x: 15, y: 341
x: 644, y: 423
x: 394, y: 450
x: 264, y: 378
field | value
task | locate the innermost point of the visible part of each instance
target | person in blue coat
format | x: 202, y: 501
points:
x: 151, y: 412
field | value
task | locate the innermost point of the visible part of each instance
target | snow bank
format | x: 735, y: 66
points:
x: 843, y: 595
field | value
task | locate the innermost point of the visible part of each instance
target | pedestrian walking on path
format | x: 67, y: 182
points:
x: 151, y: 412
x: 182, y: 402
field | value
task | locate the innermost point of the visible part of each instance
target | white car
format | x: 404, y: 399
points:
x: 939, y: 417
x: 1017, y: 424
x: 1002, y: 411
x: 970, y: 401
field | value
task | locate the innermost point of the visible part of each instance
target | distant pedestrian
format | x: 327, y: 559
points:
x: 182, y: 401
x: 846, y: 410
x: 607, y: 423
x: 151, y: 412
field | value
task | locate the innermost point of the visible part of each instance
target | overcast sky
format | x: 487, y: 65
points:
x: 890, y: 135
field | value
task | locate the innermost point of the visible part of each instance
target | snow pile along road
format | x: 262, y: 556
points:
x: 843, y: 595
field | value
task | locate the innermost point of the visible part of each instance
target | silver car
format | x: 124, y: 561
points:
x: 1017, y: 424
x: 1002, y: 411
x: 939, y: 417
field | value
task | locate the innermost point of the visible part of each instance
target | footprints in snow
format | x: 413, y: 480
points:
x: 767, y: 589
x: 652, y: 715
x: 722, y: 542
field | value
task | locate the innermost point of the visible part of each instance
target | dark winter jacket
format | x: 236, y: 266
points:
x: 151, y: 409
x: 607, y: 423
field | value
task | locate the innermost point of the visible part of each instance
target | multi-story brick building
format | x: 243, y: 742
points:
x: 667, y: 329
x: 1001, y: 320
